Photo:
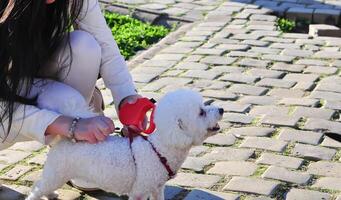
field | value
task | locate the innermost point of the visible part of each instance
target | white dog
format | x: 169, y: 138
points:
x: 182, y: 120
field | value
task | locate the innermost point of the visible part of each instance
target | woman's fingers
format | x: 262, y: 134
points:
x: 99, y: 136
x: 109, y: 123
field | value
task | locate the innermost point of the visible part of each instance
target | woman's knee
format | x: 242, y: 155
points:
x: 85, y: 45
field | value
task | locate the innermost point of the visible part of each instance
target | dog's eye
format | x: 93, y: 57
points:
x: 202, y: 112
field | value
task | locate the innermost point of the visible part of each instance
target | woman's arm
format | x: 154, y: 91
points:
x: 114, y: 70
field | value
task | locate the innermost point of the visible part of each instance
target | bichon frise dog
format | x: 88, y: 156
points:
x: 182, y: 120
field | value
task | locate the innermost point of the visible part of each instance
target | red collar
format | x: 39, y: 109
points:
x: 163, y: 159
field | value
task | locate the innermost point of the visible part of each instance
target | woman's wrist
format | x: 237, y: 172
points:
x: 60, y: 126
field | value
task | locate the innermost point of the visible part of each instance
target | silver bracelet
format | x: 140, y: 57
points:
x: 73, y: 128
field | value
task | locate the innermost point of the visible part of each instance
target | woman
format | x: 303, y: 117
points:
x: 35, y: 42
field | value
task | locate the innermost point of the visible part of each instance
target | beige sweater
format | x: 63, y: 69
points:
x: 30, y: 122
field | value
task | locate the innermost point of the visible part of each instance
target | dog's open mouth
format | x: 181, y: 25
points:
x: 215, y: 128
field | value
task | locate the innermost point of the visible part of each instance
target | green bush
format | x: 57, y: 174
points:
x: 286, y: 25
x: 133, y: 35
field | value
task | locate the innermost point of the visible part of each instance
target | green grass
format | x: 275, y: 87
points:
x: 286, y: 25
x: 133, y: 35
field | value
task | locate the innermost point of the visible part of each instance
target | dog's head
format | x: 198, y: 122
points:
x: 183, y: 119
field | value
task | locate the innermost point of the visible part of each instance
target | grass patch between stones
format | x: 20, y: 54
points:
x: 133, y: 35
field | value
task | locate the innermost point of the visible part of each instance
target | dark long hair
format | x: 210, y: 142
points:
x: 30, y: 33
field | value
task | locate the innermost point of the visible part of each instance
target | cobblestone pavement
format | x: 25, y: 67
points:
x: 281, y: 93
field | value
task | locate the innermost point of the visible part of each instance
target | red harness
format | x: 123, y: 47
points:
x: 162, y: 159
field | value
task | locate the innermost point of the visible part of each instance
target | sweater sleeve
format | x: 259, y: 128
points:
x: 114, y: 70
x: 29, y: 122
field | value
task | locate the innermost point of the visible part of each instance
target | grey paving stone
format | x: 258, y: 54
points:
x: 330, y: 87
x: 249, y: 62
x: 247, y: 89
x: 238, y: 118
x: 264, y: 143
x: 228, y: 154
x: 259, y: 17
x: 68, y: 194
x: 308, y: 86
x: 328, y: 55
x: 38, y: 160
x: 162, y: 82
x: 298, y: 102
x: 195, y: 163
x: 311, y: 62
x: 313, y: 152
x: 288, y: 46
x: 266, y: 73
x: 298, y: 53
x: 33, y: 176
x: 314, y: 41
x: 328, y: 142
x: 280, y: 161
x: 301, y: 194
x: 287, y: 67
x: 177, y: 50
x: 221, y: 139
x: 230, y: 106
x: 308, y: 137
x: 252, y: 185
x: 243, y: 54
x: 329, y: 183
x: 256, y: 43
x: 159, y: 63
x: 279, y: 58
x: 335, y: 105
x: 233, y: 47
x: 258, y: 100
x: 265, y: 50
x: 169, y: 56
x: 16, y: 172
x: 223, y: 95
x: 27, y: 146
x: 320, y: 70
x: 331, y: 96
x: 203, y: 51
x: 10, y: 156
x: 321, y: 124
x: 210, y: 195
x: 282, y: 174
x: 194, y: 180
x: 313, y: 112
x: 324, y: 168
x: 301, y: 77
x: 284, y: 93
x: 269, y: 110
x: 153, y: 6
x: 233, y: 168
x: 251, y: 131
x: 280, y: 120
x: 191, y: 65
x: 193, y: 58
x: 195, y: 151
x: 210, y: 75
x: 271, y: 82
x: 239, y: 78
x: 217, y: 60
x: 278, y: 39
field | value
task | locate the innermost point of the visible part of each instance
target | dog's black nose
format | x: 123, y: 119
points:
x: 221, y: 111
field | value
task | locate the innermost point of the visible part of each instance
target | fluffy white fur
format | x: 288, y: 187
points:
x: 110, y: 164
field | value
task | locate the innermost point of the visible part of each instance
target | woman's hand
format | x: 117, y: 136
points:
x: 92, y: 130
x: 95, y: 129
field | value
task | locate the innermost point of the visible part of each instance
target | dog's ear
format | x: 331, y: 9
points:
x: 181, y: 125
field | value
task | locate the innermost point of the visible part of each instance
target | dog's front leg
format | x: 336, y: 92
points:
x: 158, y: 194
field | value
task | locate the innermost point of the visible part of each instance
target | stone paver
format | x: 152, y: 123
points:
x: 280, y: 92
x: 283, y: 174
x: 299, y: 194
x: 233, y: 168
x: 279, y: 160
x: 252, y: 185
